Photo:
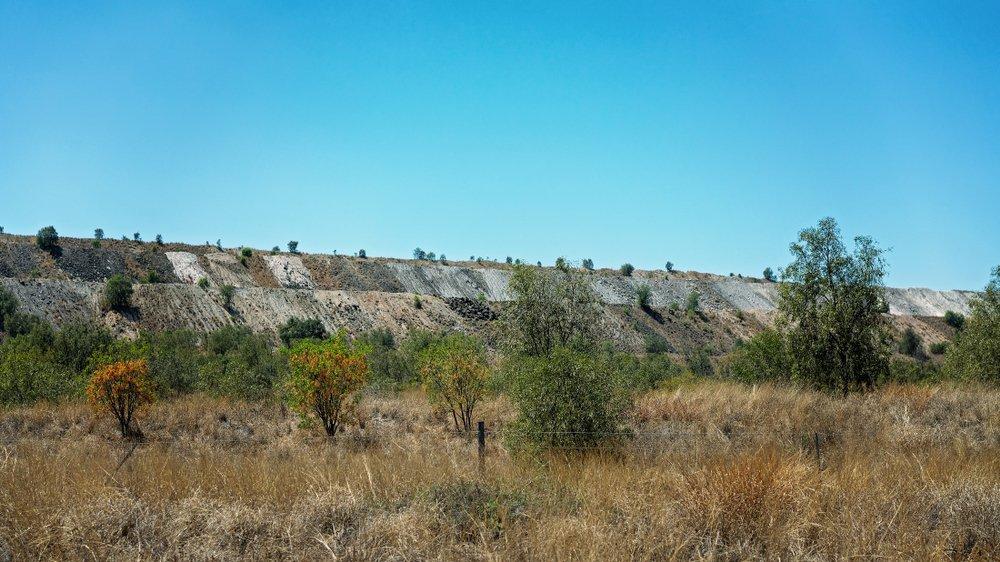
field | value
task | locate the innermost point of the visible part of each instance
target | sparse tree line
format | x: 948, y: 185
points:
x: 547, y: 353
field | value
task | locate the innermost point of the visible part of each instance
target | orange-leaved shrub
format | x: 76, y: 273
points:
x: 454, y: 372
x: 326, y: 379
x: 124, y: 389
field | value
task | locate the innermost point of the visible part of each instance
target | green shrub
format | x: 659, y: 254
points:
x: 8, y: 306
x: 954, y: 319
x: 699, y: 361
x: 275, y: 250
x: 47, y: 239
x: 76, y: 342
x: 693, y: 298
x: 653, y: 371
x: 159, y: 240
x: 417, y: 303
x: 118, y: 293
x: 174, y: 358
x: 98, y: 234
x: 939, y: 348
x: 419, y: 254
x: 670, y: 266
x: 913, y: 372
x: 566, y: 398
x: 301, y: 329
x: 203, y: 282
x: 550, y: 308
x: 245, y: 252
x: 227, y: 292
x: 976, y: 352
x: 29, y: 374
x: 588, y: 264
x: 911, y: 344
x: 762, y: 358
x: 654, y: 343
x: 769, y: 275
x: 136, y: 237
x: 362, y: 254
x: 626, y: 269
x: 642, y: 294
x: 240, y: 364
x: 293, y: 246
x: 153, y: 276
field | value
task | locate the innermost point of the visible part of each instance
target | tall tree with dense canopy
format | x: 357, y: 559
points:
x: 830, y: 303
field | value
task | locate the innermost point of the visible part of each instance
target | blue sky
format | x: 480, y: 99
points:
x: 705, y: 134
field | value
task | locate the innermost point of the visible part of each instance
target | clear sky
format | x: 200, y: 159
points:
x: 703, y: 134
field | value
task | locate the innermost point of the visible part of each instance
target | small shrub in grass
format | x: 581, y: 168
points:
x: 656, y: 344
x: 939, y: 348
x: 325, y: 380
x: 454, y: 373
x: 626, y: 269
x: 691, y: 306
x: 153, y: 276
x: 910, y: 344
x: 118, y: 293
x: 203, y: 282
x: 122, y: 389
x: 417, y: 303
x: 699, y: 361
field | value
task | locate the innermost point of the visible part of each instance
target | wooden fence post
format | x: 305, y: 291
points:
x: 481, y: 439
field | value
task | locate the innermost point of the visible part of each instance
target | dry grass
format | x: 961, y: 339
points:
x: 715, y: 472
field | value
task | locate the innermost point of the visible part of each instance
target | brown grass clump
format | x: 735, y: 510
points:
x: 908, y: 473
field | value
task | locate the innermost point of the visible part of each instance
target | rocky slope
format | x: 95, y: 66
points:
x: 359, y: 294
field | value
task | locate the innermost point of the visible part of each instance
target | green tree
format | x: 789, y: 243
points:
x: 670, y: 266
x: 159, y: 240
x: 98, y: 234
x: 239, y: 364
x: 227, y: 292
x: 626, y: 269
x: 454, y: 373
x: 769, y: 275
x: 419, y: 254
x: 911, y: 344
x: 976, y: 352
x: 326, y: 379
x: 47, y: 239
x: 118, y: 293
x: 829, y: 304
x: 76, y: 342
x: 588, y: 264
x: 549, y: 308
x: 293, y: 246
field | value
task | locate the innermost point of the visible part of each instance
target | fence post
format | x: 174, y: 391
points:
x: 481, y: 440
x: 819, y: 459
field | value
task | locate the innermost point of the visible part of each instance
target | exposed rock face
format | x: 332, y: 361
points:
x: 360, y: 294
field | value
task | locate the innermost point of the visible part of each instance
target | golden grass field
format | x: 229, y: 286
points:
x: 715, y: 471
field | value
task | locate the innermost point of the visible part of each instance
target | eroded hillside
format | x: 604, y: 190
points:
x: 358, y: 294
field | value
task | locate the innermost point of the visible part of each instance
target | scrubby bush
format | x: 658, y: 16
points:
x: 699, y: 361
x: 454, y: 373
x: 153, y: 276
x: 909, y: 371
x: 911, y: 344
x: 362, y: 254
x: 325, y: 380
x: 417, y: 303
x: 654, y: 343
x: 431, y: 256
x: 762, y: 358
x: 642, y: 294
x: 76, y: 342
x: 939, y: 348
x: 769, y: 275
x: 588, y: 264
x: 626, y: 269
x: 98, y: 234
x: 669, y: 265
x: 692, y: 303
x: 122, y: 389
x: 136, y: 237
x: 28, y: 373
x: 301, y: 329
x: 275, y: 250
x: 419, y: 254
x: 227, y: 292
x: 976, y: 353
x: 561, y: 263
x: 954, y: 319
x: 8, y: 306
x: 118, y: 293
x: 239, y: 364
x: 293, y: 246
x: 567, y: 398
x: 509, y: 260
x: 203, y: 282
x: 47, y: 239
x: 159, y: 240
